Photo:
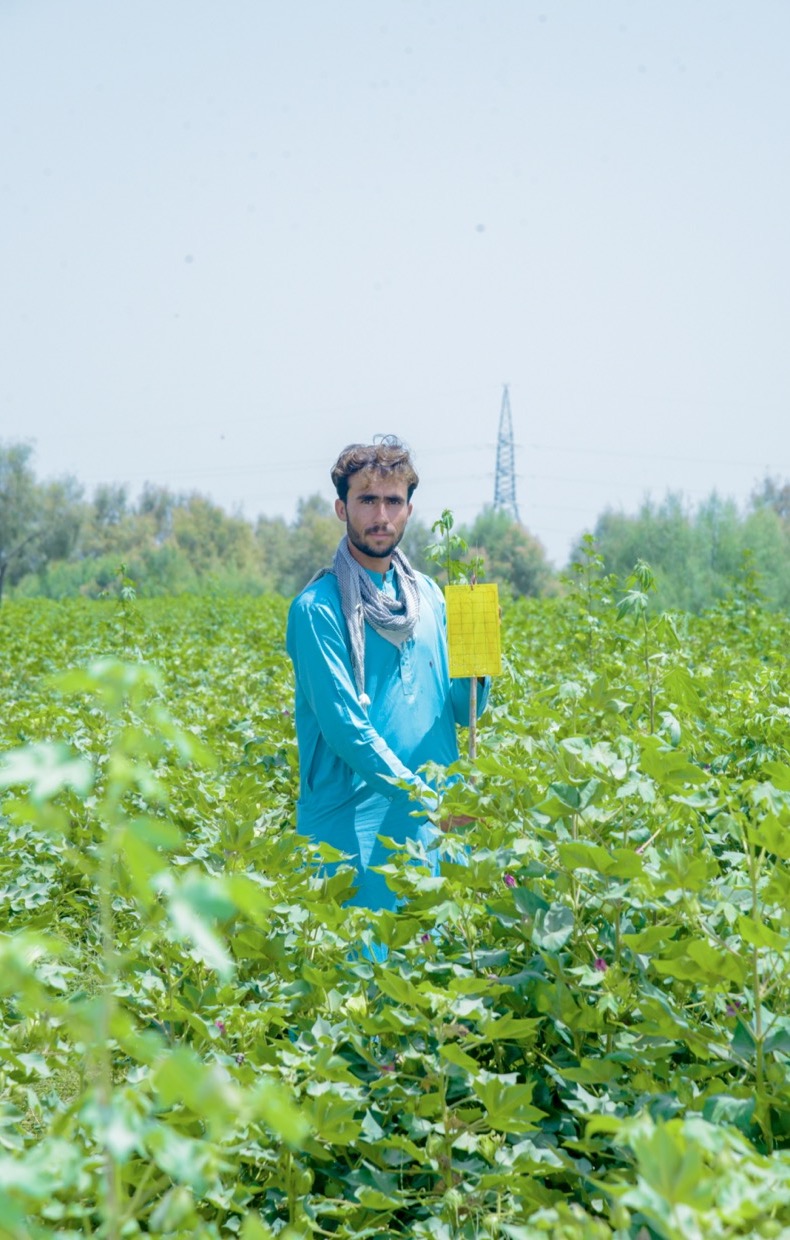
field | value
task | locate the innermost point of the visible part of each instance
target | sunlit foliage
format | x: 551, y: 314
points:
x: 582, y: 1026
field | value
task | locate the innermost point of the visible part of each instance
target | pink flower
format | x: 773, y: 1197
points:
x: 220, y: 1025
x: 425, y: 938
x: 600, y: 964
x: 509, y: 880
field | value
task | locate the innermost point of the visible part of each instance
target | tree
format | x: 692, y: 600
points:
x: 415, y: 541
x: 697, y: 554
x: 774, y: 494
x: 311, y: 544
x: 18, y: 505
x: 511, y: 555
x: 37, y: 522
x: 211, y: 540
x: 157, y: 504
x: 662, y: 535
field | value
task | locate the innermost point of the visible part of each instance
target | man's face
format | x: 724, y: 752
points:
x: 375, y: 513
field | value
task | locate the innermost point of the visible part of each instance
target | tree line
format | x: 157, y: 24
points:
x: 699, y: 553
x: 55, y: 542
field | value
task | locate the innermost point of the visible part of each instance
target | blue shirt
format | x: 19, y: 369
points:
x: 348, y: 752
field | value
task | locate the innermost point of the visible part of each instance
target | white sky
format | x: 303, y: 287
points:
x: 236, y: 235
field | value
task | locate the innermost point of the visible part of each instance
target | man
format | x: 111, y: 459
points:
x: 374, y: 700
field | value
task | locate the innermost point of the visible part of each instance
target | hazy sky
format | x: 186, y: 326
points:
x: 236, y: 235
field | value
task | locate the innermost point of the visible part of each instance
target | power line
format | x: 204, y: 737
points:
x: 650, y: 456
x: 269, y: 466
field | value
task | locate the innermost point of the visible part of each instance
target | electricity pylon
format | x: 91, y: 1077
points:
x: 505, y: 485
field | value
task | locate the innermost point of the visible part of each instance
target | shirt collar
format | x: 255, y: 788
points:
x: 381, y: 579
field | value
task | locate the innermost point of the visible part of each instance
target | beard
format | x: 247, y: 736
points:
x: 357, y: 538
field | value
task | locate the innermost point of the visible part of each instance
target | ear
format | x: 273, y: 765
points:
x: 340, y: 509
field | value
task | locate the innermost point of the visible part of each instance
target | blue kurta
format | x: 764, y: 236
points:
x: 347, y: 751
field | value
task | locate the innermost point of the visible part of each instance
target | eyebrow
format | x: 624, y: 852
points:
x: 377, y: 495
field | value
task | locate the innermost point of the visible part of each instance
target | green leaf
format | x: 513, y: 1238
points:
x: 529, y: 902
x: 250, y: 898
x: 649, y: 940
x: 401, y: 990
x: 669, y: 766
x: 724, y: 1109
x: 253, y: 1228
x: 680, y: 688
x: 769, y: 833
x: 374, y: 1199
x: 175, y: 1210
x: 553, y: 928
x: 508, y: 1107
x: 185, y: 1160
x: 509, y: 1027
x: 696, y: 960
x: 743, y: 1043
x: 779, y: 775
x: 192, y: 905
x: 453, y: 1054
x: 272, y: 1103
x: 758, y: 934
x: 593, y: 1072
x: 46, y: 769
x: 333, y: 1118
x: 778, y: 1042
x: 583, y: 855
x: 626, y: 863
x: 673, y: 1166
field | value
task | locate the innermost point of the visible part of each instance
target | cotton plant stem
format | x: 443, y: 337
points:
x: 112, y: 1208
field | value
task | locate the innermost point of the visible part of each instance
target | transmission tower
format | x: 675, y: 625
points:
x: 505, y: 485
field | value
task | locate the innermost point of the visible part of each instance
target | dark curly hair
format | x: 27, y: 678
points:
x: 386, y: 455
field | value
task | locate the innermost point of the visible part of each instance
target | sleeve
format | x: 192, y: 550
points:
x: 317, y: 643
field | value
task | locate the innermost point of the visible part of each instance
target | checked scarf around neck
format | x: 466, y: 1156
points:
x: 393, y: 618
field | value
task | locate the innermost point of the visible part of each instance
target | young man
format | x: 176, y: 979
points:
x: 374, y: 699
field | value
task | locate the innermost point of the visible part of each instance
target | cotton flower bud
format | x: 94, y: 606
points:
x: 453, y: 1199
x: 303, y: 1180
x: 434, y: 1145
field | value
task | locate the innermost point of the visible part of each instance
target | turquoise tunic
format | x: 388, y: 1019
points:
x: 347, y: 752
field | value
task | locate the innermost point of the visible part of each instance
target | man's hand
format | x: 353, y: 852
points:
x: 453, y: 821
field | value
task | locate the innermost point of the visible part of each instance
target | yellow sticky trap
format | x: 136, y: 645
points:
x: 473, y: 630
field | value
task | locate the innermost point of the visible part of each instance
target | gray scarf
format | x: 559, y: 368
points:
x: 392, y: 618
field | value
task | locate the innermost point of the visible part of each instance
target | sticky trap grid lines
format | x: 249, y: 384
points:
x: 473, y: 636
